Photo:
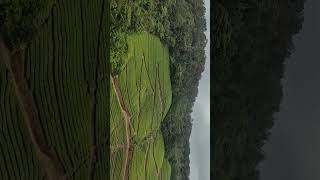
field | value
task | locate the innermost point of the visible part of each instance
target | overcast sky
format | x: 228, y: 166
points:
x: 293, y: 152
x: 200, y: 135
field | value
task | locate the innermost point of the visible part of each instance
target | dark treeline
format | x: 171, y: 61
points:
x: 251, y: 40
x: 20, y: 21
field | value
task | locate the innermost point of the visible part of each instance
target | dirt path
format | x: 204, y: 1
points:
x: 127, y: 118
x: 160, y: 91
x: 155, y: 161
x: 138, y: 84
x: 146, y: 160
x: 147, y: 70
x: 47, y: 157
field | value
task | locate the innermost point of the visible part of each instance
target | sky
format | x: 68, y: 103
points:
x: 293, y: 151
x: 200, y: 134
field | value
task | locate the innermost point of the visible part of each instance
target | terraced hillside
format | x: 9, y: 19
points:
x: 140, y: 98
x: 61, y: 81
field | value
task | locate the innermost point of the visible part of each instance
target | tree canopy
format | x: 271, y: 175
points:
x: 251, y: 40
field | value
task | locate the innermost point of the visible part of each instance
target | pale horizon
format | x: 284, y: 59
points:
x: 200, y: 135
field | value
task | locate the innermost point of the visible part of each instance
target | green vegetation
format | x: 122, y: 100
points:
x: 20, y: 20
x: 144, y: 87
x: 63, y: 70
x: 251, y: 41
x: 129, y: 17
x: 55, y: 87
x: 180, y: 25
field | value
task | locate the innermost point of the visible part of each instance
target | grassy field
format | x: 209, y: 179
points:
x: 140, y: 98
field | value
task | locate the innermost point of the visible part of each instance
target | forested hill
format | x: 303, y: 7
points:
x: 251, y: 41
x: 180, y: 25
x: 187, y: 24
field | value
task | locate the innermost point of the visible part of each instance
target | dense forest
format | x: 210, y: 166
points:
x: 180, y: 25
x: 187, y: 63
x: 251, y: 40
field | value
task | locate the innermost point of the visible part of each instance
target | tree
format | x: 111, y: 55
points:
x: 252, y: 40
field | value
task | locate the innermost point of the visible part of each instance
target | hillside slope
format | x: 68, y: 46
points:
x: 140, y: 99
x: 64, y: 70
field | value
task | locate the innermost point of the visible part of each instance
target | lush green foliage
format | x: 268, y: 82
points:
x: 20, y: 20
x: 146, y: 89
x: 128, y: 17
x: 251, y: 41
x: 180, y: 24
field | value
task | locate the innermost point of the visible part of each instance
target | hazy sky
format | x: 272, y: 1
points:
x: 293, y: 152
x: 200, y: 135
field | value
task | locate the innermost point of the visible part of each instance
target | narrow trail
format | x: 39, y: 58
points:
x: 14, y: 62
x: 156, y: 89
x: 146, y: 160
x: 160, y: 91
x: 139, y: 98
x: 127, y: 118
x: 147, y: 70
x: 154, y: 160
